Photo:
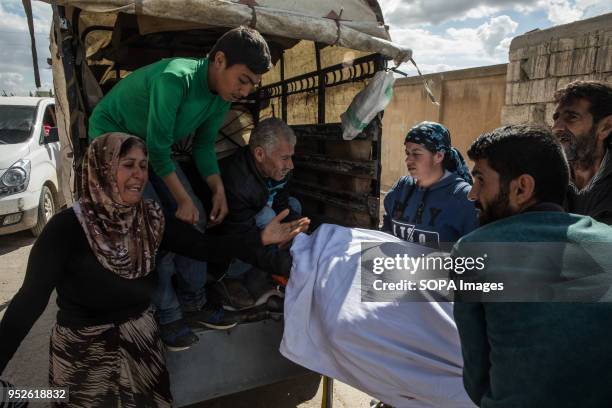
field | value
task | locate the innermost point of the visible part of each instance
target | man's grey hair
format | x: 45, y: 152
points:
x: 268, y: 132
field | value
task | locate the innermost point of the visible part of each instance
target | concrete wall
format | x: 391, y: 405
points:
x: 470, y: 104
x: 543, y: 61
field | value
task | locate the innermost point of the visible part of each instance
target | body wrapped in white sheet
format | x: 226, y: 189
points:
x: 406, y: 354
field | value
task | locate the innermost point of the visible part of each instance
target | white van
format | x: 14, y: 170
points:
x: 29, y: 150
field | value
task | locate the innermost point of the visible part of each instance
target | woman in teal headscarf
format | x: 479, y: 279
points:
x: 430, y: 206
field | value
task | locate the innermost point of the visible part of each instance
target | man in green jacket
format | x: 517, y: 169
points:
x: 163, y: 103
x: 544, y: 340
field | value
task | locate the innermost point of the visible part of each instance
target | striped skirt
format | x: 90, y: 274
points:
x: 111, y: 365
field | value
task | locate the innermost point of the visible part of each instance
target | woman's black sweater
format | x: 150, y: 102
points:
x: 87, y: 293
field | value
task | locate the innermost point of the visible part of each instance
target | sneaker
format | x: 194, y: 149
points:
x: 275, y: 305
x: 270, y: 293
x: 177, y: 336
x: 234, y: 295
x: 379, y: 404
x: 213, y: 318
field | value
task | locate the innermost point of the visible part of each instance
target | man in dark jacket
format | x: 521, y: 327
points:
x: 543, y: 340
x: 256, y: 181
x: 583, y: 125
x: 256, y: 178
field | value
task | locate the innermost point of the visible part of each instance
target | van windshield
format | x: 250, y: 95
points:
x: 16, y: 123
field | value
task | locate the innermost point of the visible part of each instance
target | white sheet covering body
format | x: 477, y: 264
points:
x: 406, y: 354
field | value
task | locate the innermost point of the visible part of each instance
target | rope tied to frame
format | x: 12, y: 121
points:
x: 253, y: 23
x: 425, y: 84
x: 337, y: 21
x: 251, y: 4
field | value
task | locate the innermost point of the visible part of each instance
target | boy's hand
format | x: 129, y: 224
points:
x: 187, y: 212
x: 219, y: 208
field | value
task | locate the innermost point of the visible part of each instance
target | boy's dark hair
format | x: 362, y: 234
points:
x: 132, y: 142
x: 525, y: 149
x: 243, y: 45
x: 598, y: 93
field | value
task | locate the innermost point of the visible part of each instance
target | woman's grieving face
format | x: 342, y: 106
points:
x: 421, y: 163
x: 132, y: 175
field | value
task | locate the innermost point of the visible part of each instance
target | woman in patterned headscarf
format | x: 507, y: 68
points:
x: 100, y: 257
x: 430, y: 206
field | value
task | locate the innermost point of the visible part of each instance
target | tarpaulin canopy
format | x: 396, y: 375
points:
x: 353, y: 24
x: 107, y: 39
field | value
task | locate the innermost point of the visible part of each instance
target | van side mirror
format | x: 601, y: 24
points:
x: 52, y: 137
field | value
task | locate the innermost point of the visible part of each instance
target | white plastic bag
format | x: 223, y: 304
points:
x: 367, y: 103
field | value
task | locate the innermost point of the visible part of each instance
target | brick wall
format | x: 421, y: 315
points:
x: 545, y: 60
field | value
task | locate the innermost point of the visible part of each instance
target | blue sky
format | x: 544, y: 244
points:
x: 444, y: 34
x: 455, y: 34
x: 16, y: 73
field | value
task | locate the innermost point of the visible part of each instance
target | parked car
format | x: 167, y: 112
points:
x: 29, y: 149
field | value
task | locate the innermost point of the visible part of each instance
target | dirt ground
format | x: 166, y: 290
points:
x: 29, y: 367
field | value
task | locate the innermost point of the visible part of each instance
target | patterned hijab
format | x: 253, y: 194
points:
x: 124, y: 238
x: 436, y: 138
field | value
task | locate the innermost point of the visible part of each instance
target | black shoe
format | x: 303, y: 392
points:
x: 275, y: 304
x: 177, y: 336
x: 213, y: 318
x: 379, y: 404
x: 234, y: 295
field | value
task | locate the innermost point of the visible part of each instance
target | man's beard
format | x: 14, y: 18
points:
x: 580, y: 151
x: 497, y: 209
x: 283, y: 173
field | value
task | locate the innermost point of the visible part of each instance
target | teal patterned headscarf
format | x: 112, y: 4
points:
x: 436, y: 138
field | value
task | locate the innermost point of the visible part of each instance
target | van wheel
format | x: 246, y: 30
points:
x: 46, y: 210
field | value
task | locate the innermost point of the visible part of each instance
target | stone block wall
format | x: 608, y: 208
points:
x: 543, y: 61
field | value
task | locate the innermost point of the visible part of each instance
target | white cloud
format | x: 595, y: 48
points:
x: 492, y: 33
x: 10, y: 80
x: 472, y: 46
x: 16, y: 72
x: 458, y: 48
x: 565, y: 11
x: 504, y: 45
x: 562, y: 11
x: 479, y: 12
x: 417, y: 12
x: 414, y: 13
x: 409, y: 19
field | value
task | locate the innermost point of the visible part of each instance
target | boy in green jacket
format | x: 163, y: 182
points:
x: 163, y: 103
